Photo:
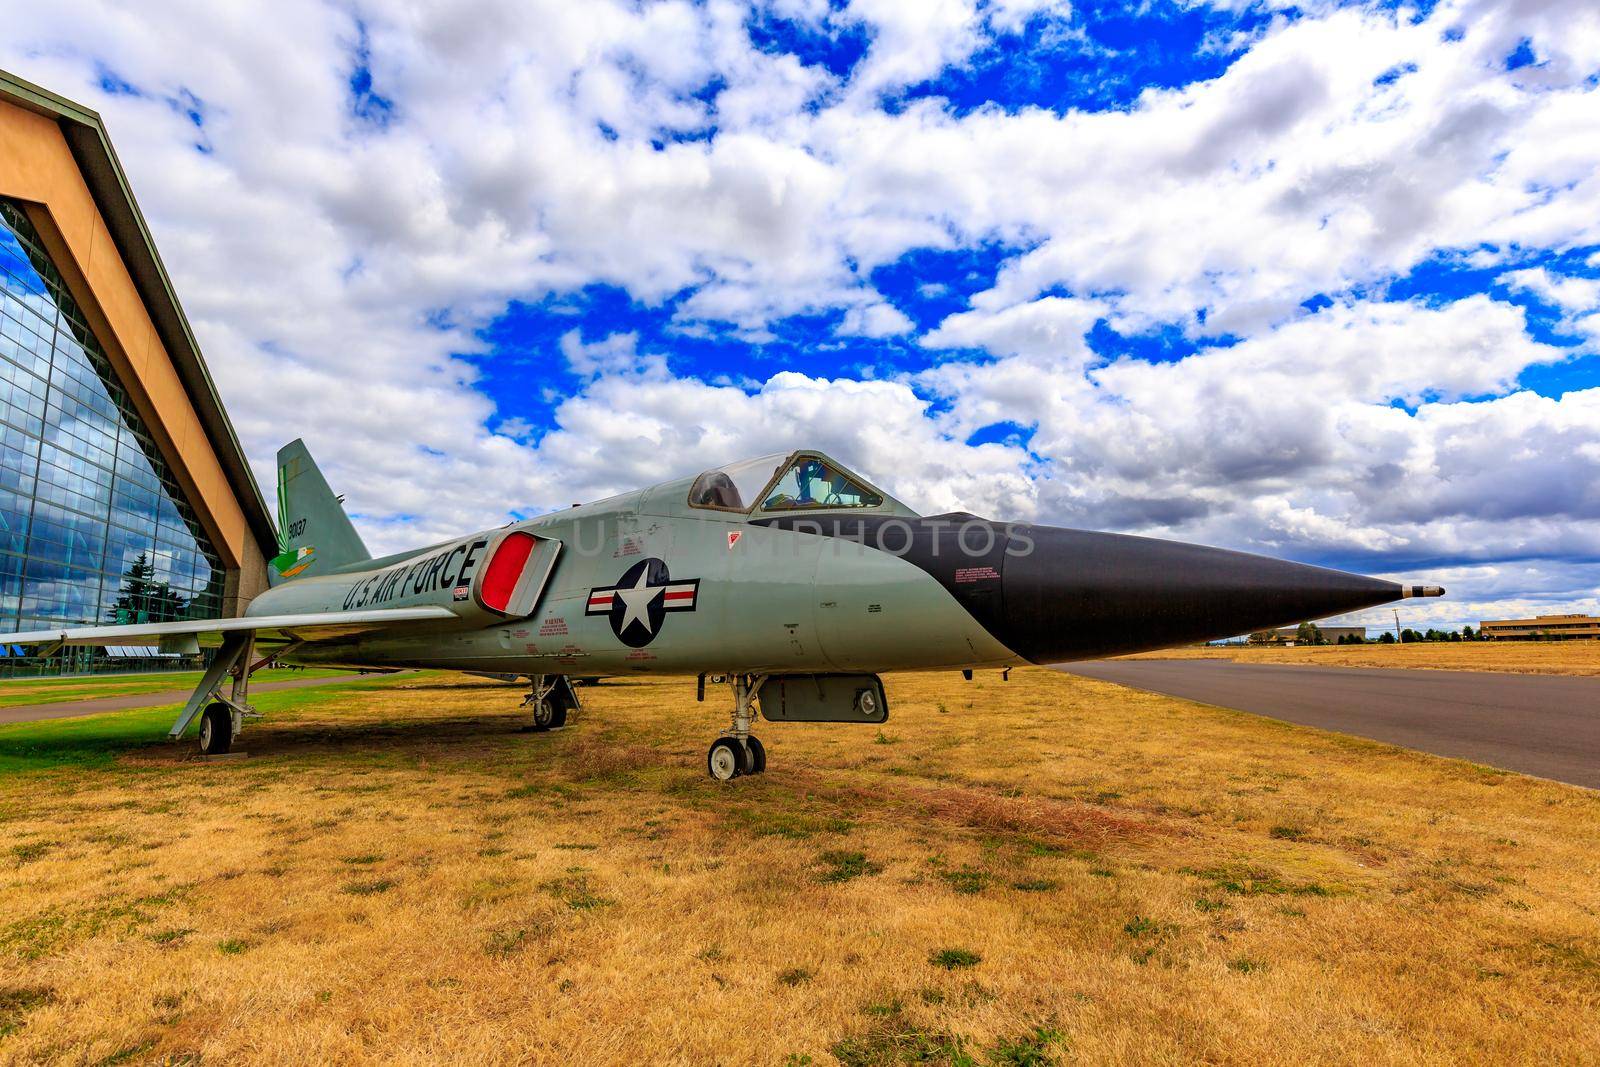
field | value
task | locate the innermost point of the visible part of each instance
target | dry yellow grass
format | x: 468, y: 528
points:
x: 396, y: 874
x: 1517, y: 657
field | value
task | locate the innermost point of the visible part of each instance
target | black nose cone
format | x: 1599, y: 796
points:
x: 1072, y: 594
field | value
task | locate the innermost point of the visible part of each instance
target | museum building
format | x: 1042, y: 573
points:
x: 124, y: 494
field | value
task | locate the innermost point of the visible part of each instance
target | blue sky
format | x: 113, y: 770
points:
x: 1320, y: 280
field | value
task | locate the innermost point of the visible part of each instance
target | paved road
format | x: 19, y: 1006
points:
x: 1537, y: 724
x: 68, y: 709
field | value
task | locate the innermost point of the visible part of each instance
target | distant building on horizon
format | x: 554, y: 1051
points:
x: 1288, y: 635
x: 1541, y: 627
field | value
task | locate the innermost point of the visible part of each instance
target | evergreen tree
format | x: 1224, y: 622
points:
x: 142, y: 599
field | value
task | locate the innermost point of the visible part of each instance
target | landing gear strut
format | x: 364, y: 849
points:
x: 738, y: 751
x: 224, y: 715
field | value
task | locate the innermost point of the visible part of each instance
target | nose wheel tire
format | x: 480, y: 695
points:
x: 726, y: 759
x: 216, y: 730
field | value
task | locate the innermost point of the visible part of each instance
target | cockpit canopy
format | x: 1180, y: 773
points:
x: 792, y: 481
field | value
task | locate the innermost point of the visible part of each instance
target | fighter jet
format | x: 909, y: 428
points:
x: 789, y: 578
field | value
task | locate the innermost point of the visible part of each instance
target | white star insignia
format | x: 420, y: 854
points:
x: 637, y: 600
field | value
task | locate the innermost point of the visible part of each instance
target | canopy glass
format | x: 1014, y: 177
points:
x: 796, y: 481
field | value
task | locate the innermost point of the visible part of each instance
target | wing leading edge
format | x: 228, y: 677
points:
x: 307, y: 627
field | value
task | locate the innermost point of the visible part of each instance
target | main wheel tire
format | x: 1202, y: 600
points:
x: 758, y: 754
x: 544, y: 715
x: 216, y: 730
x: 558, y: 717
x: 726, y: 759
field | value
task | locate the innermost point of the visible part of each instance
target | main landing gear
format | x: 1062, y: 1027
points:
x: 738, y: 751
x: 550, y: 698
x: 224, y: 715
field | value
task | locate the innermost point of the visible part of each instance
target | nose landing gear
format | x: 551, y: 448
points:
x: 738, y: 751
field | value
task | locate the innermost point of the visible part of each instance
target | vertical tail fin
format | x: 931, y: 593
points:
x: 314, y: 533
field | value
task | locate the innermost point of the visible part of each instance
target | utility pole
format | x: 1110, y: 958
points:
x: 1397, y: 637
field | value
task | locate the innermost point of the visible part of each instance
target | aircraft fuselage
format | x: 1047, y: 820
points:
x: 646, y: 583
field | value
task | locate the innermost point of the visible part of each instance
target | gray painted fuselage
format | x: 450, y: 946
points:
x: 768, y: 600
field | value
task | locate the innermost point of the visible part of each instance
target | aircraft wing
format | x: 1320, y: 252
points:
x: 308, y: 627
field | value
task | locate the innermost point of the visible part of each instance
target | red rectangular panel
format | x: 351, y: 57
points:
x: 505, y: 567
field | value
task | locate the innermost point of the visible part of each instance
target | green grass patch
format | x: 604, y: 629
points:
x: 1036, y: 885
x: 842, y: 866
x: 368, y: 888
x: 85, y: 742
x: 882, y: 1009
x: 789, y: 825
x: 576, y: 892
x: 1140, y: 927
x: 32, y: 850
x: 15, y: 1004
x: 489, y: 891
x: 126, y: 1054
x: 794, y: 976
x: 502, y: 944
x: 91, y: 741
x: 1257, y: 881
x: 952, y: 958
x: 965, y: 879
x: 1032, y: 1049
x: 897, y: 1040
x: 171, y: 937
x: 25, y: 692
x: 41, y: 935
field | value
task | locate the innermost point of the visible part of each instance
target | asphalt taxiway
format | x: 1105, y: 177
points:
x: 1544, y: 725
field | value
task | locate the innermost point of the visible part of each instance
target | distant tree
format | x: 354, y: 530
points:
x: 1308, y: 633
x: 1409, y: 636
x: 1467, y: 634
x: 1263, y: 637
x: 143, y: 599
x: 1386, y: 638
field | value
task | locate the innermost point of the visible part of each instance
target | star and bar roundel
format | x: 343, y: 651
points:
x: 638, y: 604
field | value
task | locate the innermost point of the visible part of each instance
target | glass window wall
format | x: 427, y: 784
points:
x: 93, y: 527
